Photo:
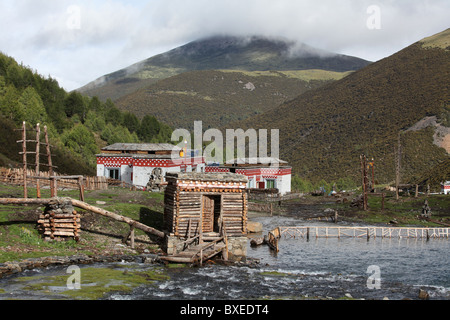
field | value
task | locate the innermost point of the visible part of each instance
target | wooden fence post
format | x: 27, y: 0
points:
x: 38, y: 187
x: 50, y: 166
x: 81, y: 186
x: 24, y: 159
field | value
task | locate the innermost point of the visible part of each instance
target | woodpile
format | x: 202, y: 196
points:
x: 60, y: 222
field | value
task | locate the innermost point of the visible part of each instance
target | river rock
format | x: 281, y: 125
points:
x: 13, y: 267
x: 254, y: 227
x: 423, y: 295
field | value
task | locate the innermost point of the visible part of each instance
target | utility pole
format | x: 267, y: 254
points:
x: 398, y: 156
x: 373, y: 174
x: 364, y: 180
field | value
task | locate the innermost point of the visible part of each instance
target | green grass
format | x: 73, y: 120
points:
x: 440, y: 40
x: 19, y: 238
x: 305, y: 75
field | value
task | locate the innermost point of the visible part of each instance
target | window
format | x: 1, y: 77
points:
x: 270, y: 184
x: 113, y: 174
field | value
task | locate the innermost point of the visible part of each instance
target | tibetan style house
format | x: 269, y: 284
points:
x: 140, y: 164
x: 262, y: 173
x: 208, y: 207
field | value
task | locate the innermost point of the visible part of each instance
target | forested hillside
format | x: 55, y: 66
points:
x: 78, y: 125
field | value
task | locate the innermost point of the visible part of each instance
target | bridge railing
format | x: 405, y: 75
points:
x: 305, y: 232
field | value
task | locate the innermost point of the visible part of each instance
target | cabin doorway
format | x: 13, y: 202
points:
x: 211, y: 213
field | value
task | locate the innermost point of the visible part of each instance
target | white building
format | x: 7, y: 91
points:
x: 445, y: 187
x: 134, y: 163
x: 262, y: 173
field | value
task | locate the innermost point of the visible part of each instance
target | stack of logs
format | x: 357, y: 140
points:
x: 60, y: 221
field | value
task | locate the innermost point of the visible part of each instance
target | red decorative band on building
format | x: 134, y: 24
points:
x: 272, y: 172
x: 153, y: 163
x: 114, y: 162
x: 270, y: 177
x: 117, y: 162
x: 216, y: 169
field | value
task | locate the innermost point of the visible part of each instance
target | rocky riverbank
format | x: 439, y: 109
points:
x: 14, y: 267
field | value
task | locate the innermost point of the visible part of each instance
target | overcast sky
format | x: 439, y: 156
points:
x: 77, y: 41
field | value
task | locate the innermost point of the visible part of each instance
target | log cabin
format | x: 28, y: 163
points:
x: 206, y: 203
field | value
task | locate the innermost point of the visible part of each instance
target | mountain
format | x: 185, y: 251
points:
x: 220, y: 97
x: 218, y: 53
x: 324, y: 131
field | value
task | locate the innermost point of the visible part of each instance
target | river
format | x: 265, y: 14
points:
x: 316, y: 269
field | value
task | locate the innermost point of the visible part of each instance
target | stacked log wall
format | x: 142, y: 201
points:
x: 170, y: 211
x: 184, y: 208
x: 190, y: 209
x: 234, y: 213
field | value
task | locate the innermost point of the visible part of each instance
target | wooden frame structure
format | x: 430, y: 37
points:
x: 305, y: 232
x: 205, y: 204
x: 51, y: 177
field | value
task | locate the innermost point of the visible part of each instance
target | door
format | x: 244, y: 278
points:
x: 211, y: 213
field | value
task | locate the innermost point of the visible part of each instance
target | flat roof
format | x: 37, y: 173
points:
x: 256, y: 161
x: 141, y: 147
x: 200, y: 176
x: 140, y: 156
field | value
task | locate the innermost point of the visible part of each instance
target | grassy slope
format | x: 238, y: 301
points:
x: 324, y: 131
x: 220, y: 97
x: 19, y: 238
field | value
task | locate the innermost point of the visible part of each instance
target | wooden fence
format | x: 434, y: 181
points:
x: 353, y: 232
x: 15, y: 176
x: 363, y: 232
